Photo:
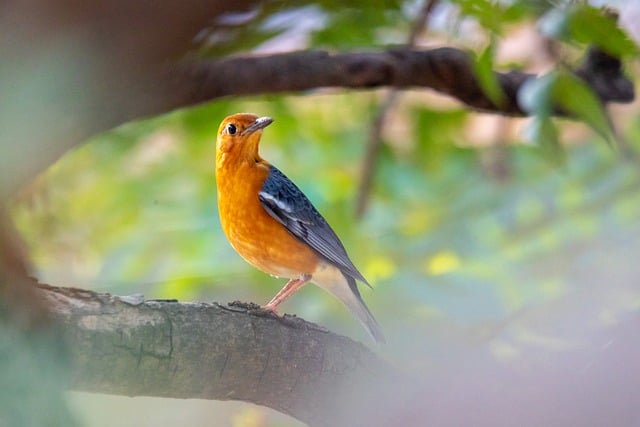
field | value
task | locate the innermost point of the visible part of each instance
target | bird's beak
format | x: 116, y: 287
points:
x: 260, y: 123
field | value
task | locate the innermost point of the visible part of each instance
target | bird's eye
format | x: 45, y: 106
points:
x: 231, y: 129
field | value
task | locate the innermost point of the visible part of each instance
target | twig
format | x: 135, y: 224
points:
x: 374, y: 142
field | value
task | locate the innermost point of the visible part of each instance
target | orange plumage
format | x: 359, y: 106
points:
x: 274, y: 227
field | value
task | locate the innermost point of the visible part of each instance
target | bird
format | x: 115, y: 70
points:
x: 270, y: 223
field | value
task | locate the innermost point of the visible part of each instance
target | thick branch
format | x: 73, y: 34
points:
x: 125, y: 345
x: 446, y: 70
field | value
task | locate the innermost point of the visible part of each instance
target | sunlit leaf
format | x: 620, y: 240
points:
x: 442, y: 263
x: 379, y: 268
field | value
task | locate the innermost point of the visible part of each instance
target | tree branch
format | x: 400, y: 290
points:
x: 446, y: 70
x: 128, y: 346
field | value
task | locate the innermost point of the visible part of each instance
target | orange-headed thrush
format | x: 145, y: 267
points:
x: 274, y: 226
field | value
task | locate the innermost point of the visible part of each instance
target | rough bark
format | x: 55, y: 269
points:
x: 129, y: 346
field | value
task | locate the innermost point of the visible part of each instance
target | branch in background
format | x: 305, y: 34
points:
x: 128, y: 346
x: 374, y: 143
x: 446, y: 70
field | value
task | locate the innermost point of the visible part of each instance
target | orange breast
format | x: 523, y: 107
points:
x: 257, y: 237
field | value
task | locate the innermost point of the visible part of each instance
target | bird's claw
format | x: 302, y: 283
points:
x: 253, y: 308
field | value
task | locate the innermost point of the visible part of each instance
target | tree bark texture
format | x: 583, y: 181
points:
x: 129, y: 346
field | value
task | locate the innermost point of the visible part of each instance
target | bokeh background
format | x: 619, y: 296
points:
x: 482, y: 247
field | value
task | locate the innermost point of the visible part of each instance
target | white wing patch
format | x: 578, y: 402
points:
x: 278, y: 202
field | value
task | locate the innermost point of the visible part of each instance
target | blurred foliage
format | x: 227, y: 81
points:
x: 582, y: 24
x: 454, y: 254
x: 485, y: 73
x: 31, y: 377
x: 327, y: 24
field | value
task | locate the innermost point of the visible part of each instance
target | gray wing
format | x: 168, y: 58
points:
x: 287, y: 204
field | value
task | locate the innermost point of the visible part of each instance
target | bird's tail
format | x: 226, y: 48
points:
x: 358, y: 308
x: 346, y: 290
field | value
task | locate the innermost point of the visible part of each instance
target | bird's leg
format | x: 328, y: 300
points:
x: 289, y: 289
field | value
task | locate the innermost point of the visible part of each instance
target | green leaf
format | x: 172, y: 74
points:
x: 576, y: 98
x: 563, y: 90
x: 542, y: 132
x: 487, y: 78
x: 487, y: 12
x: 534, y: 95
x: 585, y: 24
x: 595, y: 27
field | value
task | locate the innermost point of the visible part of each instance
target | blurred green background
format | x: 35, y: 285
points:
x: 475, y: 238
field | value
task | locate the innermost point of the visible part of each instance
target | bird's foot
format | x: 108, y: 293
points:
x: 273, y: 308
x: 253, y: 308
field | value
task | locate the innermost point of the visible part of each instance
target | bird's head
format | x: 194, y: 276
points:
x: 239, y: 136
